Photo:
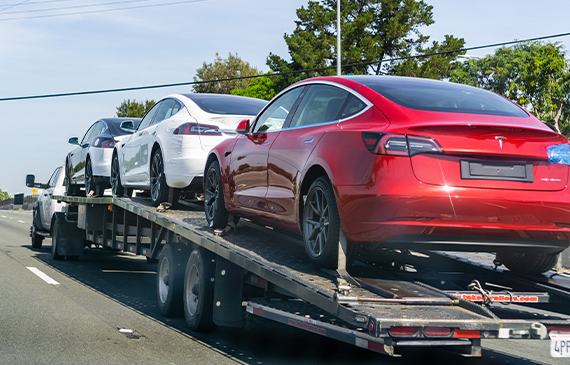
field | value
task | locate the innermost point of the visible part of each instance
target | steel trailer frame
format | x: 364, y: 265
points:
x: 365, y: 314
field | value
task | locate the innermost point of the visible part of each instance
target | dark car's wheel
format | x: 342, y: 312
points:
x: 321, y: 224
x: 116, y: 186
x: 526, y: 263
x: 158, y: 187
x: 37, y: 240
x: 214, y: 206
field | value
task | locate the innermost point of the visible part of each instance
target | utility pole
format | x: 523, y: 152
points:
x: 338, y: 38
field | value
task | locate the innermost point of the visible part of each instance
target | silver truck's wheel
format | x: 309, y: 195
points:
x: 54, y: 243
x: 37, y: 240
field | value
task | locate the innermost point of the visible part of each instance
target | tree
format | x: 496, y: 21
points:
x: 134, y: 109
x: 534, y: 74
x: 371, y: 31
x: 4, y: 195
x: 232, y: 67
x: 259, y: 87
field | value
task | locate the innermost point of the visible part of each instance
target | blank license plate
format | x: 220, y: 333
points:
x: 496, y: 170
x: 560, y: 344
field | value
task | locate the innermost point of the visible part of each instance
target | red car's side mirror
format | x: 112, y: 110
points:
x: 243, y: 127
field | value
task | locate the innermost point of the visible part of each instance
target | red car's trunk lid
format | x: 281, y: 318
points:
x: 490, y: 157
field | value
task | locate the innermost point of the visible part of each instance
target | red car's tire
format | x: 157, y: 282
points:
x: 525, y: 263
x: 321, y: 224
x: 214, y: 204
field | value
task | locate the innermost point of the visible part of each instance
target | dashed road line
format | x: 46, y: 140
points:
x: 42, y: 276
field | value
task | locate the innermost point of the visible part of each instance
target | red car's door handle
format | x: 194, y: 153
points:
x: 309, y: 140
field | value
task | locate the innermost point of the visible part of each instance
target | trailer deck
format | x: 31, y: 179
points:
x: 398, y: 300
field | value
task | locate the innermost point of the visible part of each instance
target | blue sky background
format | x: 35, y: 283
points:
x: 166, y: 44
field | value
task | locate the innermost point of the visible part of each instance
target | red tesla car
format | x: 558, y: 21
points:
x: 397, y: 162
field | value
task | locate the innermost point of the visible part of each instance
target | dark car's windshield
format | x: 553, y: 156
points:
x: 441, y: 96
x: 227, y: 104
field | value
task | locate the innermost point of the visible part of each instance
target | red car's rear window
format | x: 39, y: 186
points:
x: 441, y: 96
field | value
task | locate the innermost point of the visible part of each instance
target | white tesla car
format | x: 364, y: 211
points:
x: 167, y: 152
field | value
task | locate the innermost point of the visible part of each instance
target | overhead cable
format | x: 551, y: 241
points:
x: 105, y: 91
x: 102, y: 10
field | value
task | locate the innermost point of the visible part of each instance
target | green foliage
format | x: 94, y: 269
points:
x: 435, y: 66
x: 260, y: 87
x: 220, y: 69
x: 134, y: 109
x: 371, y: 31
x: 534, y: 74
x: 4, y: 195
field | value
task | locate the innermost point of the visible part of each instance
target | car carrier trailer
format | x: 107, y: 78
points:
x: 381, y: 303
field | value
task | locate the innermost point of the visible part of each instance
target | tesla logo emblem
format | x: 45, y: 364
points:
x: 500, y: 139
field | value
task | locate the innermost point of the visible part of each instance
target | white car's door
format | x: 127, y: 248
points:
x: 131, y: 149
x: 148, y: 139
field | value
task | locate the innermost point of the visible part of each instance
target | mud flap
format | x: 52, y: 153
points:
x: 228, y: 296
x: 342, y: 259
x: 69, y: 238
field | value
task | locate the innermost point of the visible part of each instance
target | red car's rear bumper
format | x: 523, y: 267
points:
x: 395, y: 208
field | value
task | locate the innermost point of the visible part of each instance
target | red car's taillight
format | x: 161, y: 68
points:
x: 196, y: 129
x: 399, y: 144
x: 104, y: 143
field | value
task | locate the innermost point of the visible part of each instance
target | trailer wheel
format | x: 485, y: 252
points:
x: 54, y: 243
x: 199, y: 291
x: 214, y: 205
x: 526, y: 263
x: 170, y: 281
x: 36, y: 238
x: 321, y: 224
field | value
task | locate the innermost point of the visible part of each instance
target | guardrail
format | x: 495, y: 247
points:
x: 8, y: 204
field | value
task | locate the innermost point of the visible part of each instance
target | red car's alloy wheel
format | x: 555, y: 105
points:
x: 321, y: 224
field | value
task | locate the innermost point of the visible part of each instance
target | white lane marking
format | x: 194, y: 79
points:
x: 3, y: 216
x: 42, y: 276
x: 21, y: 222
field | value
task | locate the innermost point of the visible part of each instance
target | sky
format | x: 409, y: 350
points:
x: 44, y: 54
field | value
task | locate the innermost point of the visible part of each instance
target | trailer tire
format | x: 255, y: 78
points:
x: 37, y: 240
x: 170, y: 281
x: 321, y: 224
x: 199, y: 291
x: 526, y: 263
x: 54, y: 243
x: 214, y: 204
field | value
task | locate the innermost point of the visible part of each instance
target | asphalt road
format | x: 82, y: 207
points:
x: 78, y: 320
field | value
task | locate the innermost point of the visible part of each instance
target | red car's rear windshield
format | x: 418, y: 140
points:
x: 440, y: 96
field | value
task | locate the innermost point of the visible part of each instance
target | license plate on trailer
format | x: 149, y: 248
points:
x: 559, y: 344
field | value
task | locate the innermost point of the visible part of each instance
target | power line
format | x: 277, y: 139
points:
x: 101, y: 11
x: 106, y: 91
x: 74, y: 7
x: 10, y: 6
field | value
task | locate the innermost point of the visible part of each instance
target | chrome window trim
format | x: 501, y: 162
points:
x: 345, y: 88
